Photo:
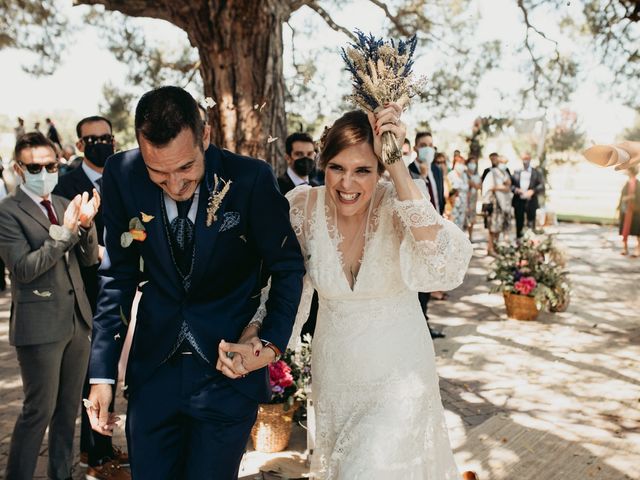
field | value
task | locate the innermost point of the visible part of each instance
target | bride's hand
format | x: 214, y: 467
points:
x: 387, y: 120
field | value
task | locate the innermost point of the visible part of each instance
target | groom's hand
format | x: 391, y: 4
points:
x: 248, y: 356
x: 102, y: 421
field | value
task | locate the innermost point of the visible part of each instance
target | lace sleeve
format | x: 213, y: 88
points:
x: 436, y: 263
x: 299, y: 212
x: 303, y: 312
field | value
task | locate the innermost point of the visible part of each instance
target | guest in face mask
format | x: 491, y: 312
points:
x: 300, y: 157
x: 406, y: 152
x: 44, y: 239
x: 475, y: 184
x: 96, y: 144
x: 460, y: 183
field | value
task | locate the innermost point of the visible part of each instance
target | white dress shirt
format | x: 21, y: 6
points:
x: 93, y: 176
x: 172, y: 208
x: 432, y: 182
x: 37, y: 199
x: 295, y: 178
x: 525, y: 180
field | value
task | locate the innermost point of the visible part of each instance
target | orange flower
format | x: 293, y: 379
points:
x: 138, y: 235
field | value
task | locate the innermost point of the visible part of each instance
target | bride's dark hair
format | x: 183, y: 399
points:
x: 350, y: 129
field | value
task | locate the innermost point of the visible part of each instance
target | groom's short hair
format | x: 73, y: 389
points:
x: 164, y: 112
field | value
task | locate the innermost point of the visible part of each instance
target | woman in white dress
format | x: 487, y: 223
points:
x: 369, y: 246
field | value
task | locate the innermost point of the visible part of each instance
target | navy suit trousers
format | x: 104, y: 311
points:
x: 187, y: 422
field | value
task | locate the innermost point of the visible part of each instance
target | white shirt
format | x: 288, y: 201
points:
x: 432, y: 182
x: 172, y: 208
x: 92, y: 175
x: 37, y: 199
x: 295, y: 178
x: 525, y: 180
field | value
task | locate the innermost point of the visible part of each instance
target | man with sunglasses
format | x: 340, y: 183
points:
x: 44, y: 239
x: 96, y: 142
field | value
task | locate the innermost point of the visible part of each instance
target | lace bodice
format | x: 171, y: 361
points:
x: 392, y: 261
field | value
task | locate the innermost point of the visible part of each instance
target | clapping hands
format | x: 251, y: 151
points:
x: 81, y: 211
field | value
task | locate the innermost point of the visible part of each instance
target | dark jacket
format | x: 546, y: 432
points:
x: 536, y: 184
x: 439, y: 187
x: 285, y: 184
x: 250, y: 238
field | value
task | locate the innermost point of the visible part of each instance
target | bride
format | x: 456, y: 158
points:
x: 369, y: 245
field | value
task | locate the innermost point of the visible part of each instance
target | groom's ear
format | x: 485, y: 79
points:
x: 206, y: 136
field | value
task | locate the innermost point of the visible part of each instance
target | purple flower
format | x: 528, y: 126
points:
x: 277, y: 389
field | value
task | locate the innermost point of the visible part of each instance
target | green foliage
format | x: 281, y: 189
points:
x: 483, y: 128
x: 298, y: 362
x: 566, y: 135
x: 118, y: 106
x: 533, y: 261
x: 633, y: 133
x: 35, y: 26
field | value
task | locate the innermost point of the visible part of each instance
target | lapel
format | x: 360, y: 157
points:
x: 84, y: 183
x: 148, y: 197
x: 205, y: 237
x: 33, y: 210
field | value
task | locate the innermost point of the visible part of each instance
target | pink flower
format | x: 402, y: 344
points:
x: 523, y: 263
x: 525, y: 285
x: 280, y: 374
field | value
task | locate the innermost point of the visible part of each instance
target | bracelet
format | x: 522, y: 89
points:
x: 276, y: 350
x: 253, y: 323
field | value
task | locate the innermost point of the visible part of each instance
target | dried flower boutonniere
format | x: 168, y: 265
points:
x: 136, y: 232
x: 381, y: 73
x: 219, y: 191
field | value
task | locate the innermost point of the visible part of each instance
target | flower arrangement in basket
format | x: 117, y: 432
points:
x: 290, y: 380
x: 531, y: 274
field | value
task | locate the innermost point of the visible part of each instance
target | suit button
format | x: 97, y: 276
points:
x: 70, y: 292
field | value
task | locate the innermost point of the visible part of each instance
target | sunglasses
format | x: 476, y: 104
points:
x: 93, y: 139
x: 35, y: 168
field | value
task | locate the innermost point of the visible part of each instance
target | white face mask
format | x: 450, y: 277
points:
x: 502, y: 167
x: 41, y: 184
x: 407, y: 159
x: 426, y: 154
x: 472, y: 166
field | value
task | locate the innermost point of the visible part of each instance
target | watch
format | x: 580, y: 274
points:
x: 276, y: 350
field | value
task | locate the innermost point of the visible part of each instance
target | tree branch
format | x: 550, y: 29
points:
x: 329, y: 21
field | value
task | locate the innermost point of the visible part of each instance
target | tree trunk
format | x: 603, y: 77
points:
x: 242, y: 71
x: 240, y: 48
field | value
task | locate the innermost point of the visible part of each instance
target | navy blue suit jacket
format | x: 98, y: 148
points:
x: 229, y: 271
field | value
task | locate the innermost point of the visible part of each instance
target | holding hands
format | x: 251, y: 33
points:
x: 237, y: 360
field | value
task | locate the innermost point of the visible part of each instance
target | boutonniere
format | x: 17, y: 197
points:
x: 216, y: 195
x: 136, y: 232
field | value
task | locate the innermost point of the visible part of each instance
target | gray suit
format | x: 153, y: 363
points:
x: 50, y: 327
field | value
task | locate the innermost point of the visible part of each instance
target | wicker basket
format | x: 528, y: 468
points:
x: 272, y: 429
x: 520, y: 307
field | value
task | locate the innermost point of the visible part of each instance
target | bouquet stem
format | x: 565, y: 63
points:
x: 391, y: 151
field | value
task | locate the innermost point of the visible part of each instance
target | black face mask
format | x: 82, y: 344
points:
x: 98, y: 153
x: 303, y: 166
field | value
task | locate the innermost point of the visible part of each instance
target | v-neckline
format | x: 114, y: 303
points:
x: 337, y: 253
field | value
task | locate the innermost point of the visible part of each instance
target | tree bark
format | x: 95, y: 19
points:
x: 240, y: 48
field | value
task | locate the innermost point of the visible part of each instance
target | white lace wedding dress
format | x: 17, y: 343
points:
x: 379, y: 414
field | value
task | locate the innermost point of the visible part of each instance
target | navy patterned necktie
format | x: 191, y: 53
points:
x: 182, y: 231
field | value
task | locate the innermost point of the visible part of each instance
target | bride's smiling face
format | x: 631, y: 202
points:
x: 351, y: 177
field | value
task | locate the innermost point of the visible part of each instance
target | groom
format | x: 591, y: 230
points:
x: 207, y: 227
